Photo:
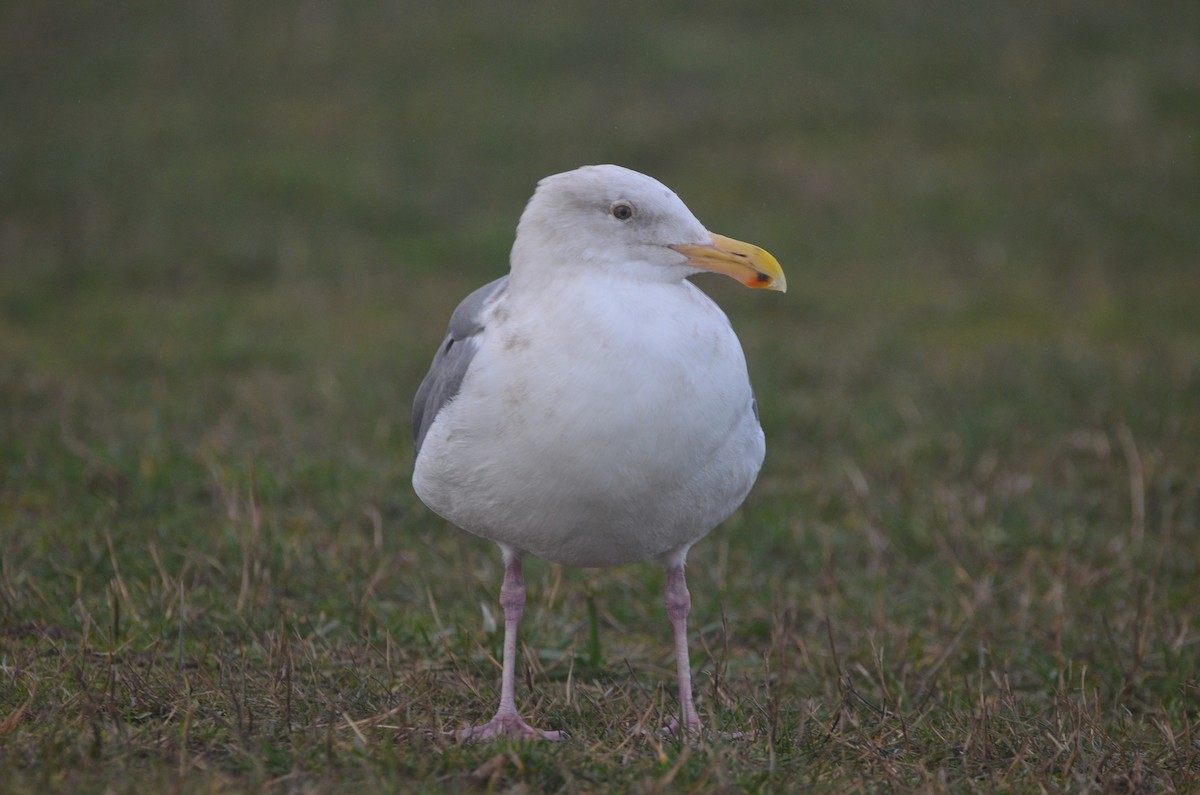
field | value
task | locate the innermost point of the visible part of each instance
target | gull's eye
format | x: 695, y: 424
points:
x: 621, y: 211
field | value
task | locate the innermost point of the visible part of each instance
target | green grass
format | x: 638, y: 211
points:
x: 230, y: 238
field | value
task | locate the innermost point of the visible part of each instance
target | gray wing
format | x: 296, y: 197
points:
x: 452, y: 359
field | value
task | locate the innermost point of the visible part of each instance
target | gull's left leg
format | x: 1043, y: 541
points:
x: 679, y: 604
x: 507, y: 722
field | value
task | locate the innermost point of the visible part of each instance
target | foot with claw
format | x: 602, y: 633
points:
x: 672, y: 729
x: 506, y: 724
x: 693, y: 733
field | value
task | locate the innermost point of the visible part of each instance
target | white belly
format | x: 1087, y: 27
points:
x: 606, y: 433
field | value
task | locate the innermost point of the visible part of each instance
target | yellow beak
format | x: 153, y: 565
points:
x: 744, y: 262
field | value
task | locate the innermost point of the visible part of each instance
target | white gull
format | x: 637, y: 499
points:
x: 593, y: 407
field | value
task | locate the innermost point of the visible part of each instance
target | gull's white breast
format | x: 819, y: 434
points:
x: 600, y: 422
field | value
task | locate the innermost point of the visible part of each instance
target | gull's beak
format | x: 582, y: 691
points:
x: 749, y: 264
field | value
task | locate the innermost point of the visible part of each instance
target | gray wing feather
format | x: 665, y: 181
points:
x: 452, y: 359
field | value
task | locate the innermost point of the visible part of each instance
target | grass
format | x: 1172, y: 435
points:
x: 230, y: 237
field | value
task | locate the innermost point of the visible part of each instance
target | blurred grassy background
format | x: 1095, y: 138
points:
x: 231, y: 235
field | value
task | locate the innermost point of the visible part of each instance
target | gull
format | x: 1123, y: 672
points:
x: 592, y: 407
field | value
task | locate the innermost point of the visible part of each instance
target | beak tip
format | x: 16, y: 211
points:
x: 763, y: 281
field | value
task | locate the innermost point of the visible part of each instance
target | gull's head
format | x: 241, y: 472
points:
x: 626, y: 223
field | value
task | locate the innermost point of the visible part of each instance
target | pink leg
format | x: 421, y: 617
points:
x: 507, y: 722
x: 679, y: 604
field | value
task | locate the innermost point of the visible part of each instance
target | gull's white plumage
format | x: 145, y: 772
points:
x: 597, y: 424
x: 598, y: 408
